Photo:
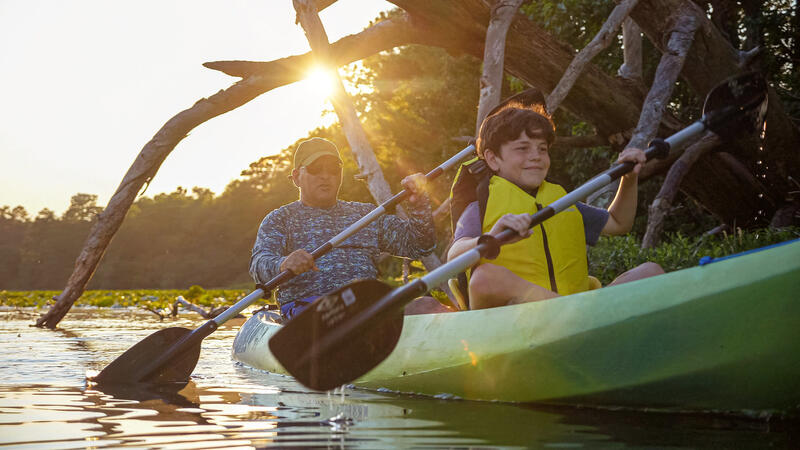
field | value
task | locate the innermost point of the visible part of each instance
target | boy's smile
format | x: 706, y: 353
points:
x: 523, y: 161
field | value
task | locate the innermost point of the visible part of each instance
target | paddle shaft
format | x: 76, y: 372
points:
x: 489, y: 246
x: 197, y: 335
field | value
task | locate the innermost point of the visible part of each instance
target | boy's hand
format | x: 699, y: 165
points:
x: 636, y: 156
x: 517, y: 222
x: 415, y: 184
x: 299, y: 261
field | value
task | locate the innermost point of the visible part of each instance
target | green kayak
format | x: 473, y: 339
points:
x: 724, y: 336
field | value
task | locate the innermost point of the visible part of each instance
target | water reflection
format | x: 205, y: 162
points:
x: 45, y: 403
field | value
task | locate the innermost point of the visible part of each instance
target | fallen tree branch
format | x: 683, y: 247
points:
x: 146, y: 164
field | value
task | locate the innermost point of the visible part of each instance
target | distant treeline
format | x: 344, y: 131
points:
x: 173, y: 240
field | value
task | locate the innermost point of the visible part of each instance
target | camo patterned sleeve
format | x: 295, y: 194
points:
x: 270, y: 249
x: 412, y: 238
x: 296, y: 226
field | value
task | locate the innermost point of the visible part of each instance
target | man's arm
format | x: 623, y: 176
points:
x: 415, y: 237
x: 269, y: 249
x: 622, y: 211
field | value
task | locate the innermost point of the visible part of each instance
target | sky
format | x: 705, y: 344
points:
x: 85, y: 84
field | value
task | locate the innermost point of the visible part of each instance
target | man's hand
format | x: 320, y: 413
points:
x: 517, y: 222
x: 416, y: 184
x: 636, y: 156
x: 299, y: 261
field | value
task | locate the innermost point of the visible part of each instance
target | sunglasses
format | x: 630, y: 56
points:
x: 318, y: 169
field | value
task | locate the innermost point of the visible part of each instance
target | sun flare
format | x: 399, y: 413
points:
x: 321, y: 80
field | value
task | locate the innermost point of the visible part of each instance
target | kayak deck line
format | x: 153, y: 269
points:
x: 720, y: 337
x: 708, y: 259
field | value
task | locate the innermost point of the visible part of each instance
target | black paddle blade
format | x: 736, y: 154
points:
x: 738, y: 105
x: 298, y: 344
x: 127, y: 368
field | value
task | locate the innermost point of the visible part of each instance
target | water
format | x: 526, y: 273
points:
x: 45, y: 402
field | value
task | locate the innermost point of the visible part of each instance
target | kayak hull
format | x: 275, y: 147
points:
x: 725, y: 336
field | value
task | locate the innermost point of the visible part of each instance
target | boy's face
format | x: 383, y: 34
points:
x: 523, y: 161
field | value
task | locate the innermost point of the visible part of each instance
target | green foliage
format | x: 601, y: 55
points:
x: 146, y: 298
x: 614, y: 255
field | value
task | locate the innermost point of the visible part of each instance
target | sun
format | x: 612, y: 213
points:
x: 321, y: 81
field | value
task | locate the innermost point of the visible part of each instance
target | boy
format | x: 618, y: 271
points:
x: 550, y: 259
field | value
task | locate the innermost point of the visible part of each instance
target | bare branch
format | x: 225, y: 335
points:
x: 384, y: 35
x: 669, y: 68
x: 602, y: 40
x: 662, y: 204
x: 631, y: 69
x: 494, y: 52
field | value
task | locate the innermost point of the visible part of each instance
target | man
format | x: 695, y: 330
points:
x: 288, y: 234
x: 548, y: 260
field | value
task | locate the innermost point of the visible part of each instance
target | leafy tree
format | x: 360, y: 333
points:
x: 82, y: 208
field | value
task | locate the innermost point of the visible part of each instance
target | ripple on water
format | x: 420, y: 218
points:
x: 46, y: 403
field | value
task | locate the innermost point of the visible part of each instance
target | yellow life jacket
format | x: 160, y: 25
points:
x: 554, y: 256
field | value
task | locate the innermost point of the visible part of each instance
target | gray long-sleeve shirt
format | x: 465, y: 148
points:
x: 295, y: 226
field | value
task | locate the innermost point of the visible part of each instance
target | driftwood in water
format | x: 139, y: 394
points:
x: 180, y: 301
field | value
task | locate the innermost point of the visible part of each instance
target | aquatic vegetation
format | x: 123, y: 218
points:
x: 155, y: 299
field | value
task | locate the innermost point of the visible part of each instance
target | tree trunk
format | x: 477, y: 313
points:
x: 342, y: 105
x: 356, y: 136
x: 494, y: 52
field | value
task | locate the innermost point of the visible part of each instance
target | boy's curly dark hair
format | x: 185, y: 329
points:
x: 508, y: 123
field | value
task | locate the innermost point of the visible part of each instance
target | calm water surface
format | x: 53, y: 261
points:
x: 45, y: 402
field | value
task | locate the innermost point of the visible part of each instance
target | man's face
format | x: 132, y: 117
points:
x: 319, y: 182
x: 523, y: 161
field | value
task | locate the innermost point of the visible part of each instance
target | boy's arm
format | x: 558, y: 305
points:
x: 468, y: 229
x: 622, y: 211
